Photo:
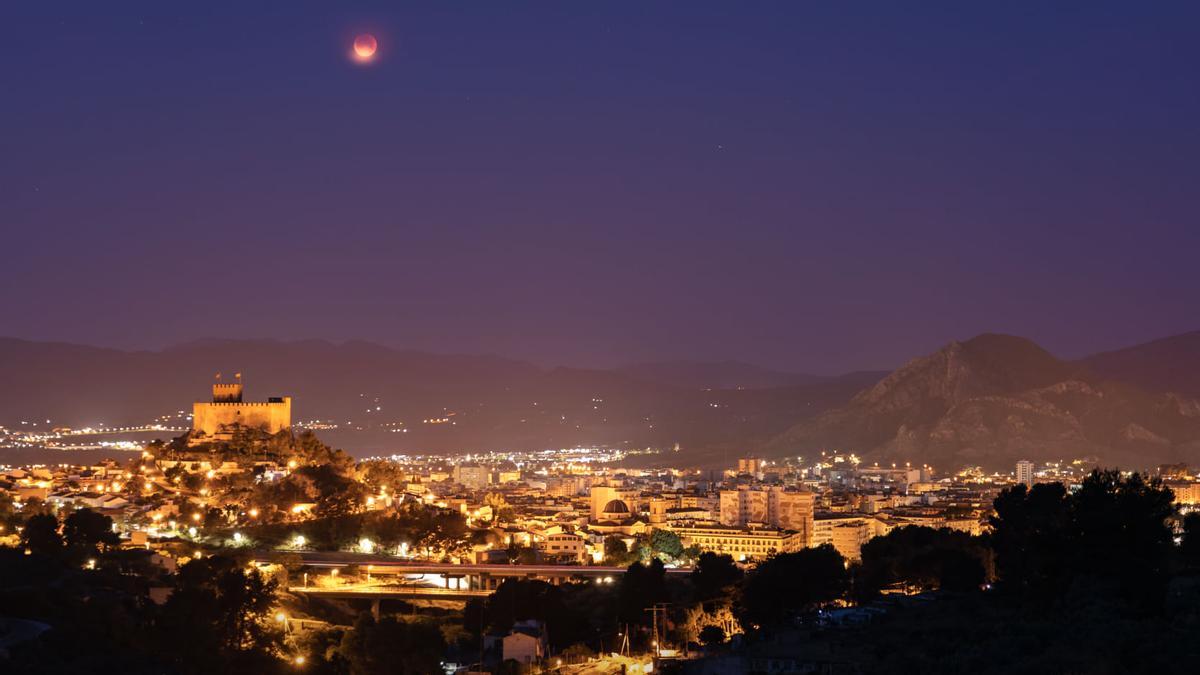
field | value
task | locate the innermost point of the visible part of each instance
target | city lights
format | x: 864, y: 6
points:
x: 618, y: 338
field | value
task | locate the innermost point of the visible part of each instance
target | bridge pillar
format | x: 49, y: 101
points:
x: 375, y: 610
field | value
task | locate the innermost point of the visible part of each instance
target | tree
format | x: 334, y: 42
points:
x: 10, y: 517
x: 86, y: 530
x: 922, y: 557
x: 1108, y: 540
x: 391, y: 646
x: 41, y: 534
x: 1029, y: 537
x: 217, y: 618
x: 714, y: 572
x: 615, y: 551
x: 789, y: 583
x: 381, y: 473
x: 521, y: 599
x: 1189, y: 547
x: 336, y: 493
x: 641, y: 586
x: 577, y: 653
x: 666, y: 542
x: 712, y: 636
x: 694, y: 619
x: 522, y: 555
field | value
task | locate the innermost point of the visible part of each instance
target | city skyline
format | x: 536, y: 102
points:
x: 561, y: 338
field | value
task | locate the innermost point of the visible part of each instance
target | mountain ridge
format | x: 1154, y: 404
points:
x: 997, y: 398
x: 494, y: 403
x: 989, y: 399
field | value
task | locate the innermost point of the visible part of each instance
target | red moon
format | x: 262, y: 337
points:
x: 365, y: 46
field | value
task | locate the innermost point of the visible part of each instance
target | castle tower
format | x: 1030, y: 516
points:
x: 227, y: 392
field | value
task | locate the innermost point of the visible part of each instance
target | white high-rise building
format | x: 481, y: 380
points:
x: 1025, y: 472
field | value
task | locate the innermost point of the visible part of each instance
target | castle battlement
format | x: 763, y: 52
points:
x: 227, y: 392
x: 245, y: 404
x: 227, y: 409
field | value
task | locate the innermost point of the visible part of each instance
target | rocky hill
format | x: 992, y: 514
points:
x: 994, y: 399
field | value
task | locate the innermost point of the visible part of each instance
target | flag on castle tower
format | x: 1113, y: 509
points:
x: 218, y: 376
x: 238, y: 376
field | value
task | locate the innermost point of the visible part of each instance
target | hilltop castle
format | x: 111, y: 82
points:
x: 227, y: 410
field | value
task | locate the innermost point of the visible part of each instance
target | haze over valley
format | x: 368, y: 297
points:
x: 986, y: 401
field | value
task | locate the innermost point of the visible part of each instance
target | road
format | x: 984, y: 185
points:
x: 390, y: 565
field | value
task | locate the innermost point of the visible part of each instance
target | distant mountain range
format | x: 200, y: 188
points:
x: 1169, y: 364
x: 718, y: 375
x: 994, y: 399
x: 989, y: 400
x: 489, y: 402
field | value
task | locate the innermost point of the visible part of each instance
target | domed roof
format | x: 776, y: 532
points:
x: 616, y: 506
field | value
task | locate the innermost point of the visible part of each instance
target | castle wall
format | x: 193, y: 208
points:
x: 272, y: 416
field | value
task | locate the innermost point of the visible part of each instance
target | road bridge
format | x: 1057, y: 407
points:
x: 456, y: 577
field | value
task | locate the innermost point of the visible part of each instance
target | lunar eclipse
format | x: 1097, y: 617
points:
x: 365, y: 46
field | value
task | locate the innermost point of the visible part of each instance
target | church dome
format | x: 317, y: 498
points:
x: 616, y: 507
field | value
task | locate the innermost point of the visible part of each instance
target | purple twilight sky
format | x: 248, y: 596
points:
x: 811, y: 186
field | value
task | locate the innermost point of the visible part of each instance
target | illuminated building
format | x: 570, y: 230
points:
x: 743, y: 506
x: 1025, y: 472
x: 472, y: 476
x: 846, y: 533
x: 1186, y: 493
x: 774, y: 506
x: 749, y: 465
x: 227, y: 410
x: 607, y: 501
x: 742, y: 543
x: 564, y: 547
